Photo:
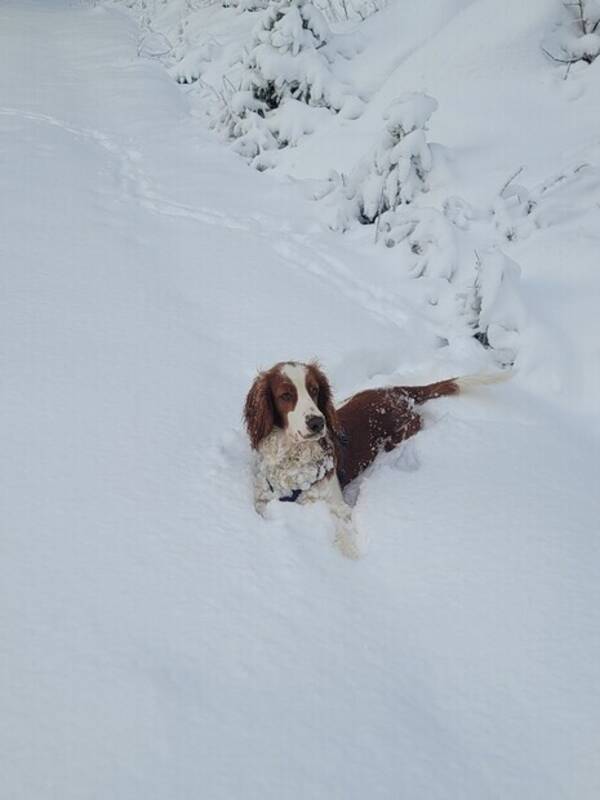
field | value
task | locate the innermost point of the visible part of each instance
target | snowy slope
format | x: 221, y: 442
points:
x: 157, y: 638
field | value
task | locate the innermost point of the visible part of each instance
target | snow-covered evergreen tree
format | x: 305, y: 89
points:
x: 289, y: 58
x: 397, y: 169
x: 287, y: 69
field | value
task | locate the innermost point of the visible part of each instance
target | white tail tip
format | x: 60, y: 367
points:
x: 469, y: 382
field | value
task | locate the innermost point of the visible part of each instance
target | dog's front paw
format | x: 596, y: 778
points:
x: 346, y: 540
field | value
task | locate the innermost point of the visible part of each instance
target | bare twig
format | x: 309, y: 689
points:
x: 578, y: 4
x: 377, y: 228
x: 560, y: 60
x: 379, y: 209
x: 582, y: 17
x: 228, y: 84
x: 510, y: 180
x: 208, y: 87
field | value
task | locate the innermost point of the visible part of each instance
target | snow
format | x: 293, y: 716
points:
x: 158, y: 638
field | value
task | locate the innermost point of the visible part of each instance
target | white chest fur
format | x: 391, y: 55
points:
x: 284, y: 466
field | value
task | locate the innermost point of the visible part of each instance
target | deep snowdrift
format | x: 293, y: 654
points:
x: 158, y: 639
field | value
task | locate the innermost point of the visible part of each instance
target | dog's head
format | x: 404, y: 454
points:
x: 293, y: 397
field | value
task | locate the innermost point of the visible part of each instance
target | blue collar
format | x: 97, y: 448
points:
x: 291, y: 498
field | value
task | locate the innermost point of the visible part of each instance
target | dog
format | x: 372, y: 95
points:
x: 308, y: 450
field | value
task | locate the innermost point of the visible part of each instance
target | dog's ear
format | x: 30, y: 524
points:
x: 258, y: 410
x: 325, y: 400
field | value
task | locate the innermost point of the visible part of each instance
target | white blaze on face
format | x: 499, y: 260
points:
x: 305, y: 405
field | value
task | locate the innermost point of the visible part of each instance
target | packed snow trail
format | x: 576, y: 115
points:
x: 158, y: 639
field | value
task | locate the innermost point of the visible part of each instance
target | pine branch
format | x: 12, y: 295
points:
x: 510, y: 180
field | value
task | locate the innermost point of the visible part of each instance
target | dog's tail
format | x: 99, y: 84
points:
x: 420, y: 394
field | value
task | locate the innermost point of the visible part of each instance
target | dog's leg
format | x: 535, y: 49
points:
x: 262, y: 494
x: 346, y: 537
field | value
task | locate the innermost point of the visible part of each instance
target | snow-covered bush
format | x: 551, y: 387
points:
x: 246, y: 5
x: 577, y: 36
x: 518, y: 211
x: 344, y: 10
x: 496, y: 309
x: 286, y: 74
x: 426, y: 238
x: 396, y: 171
x: 243, y: 120
x: 189, y: 67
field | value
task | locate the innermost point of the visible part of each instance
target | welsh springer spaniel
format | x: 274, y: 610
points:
x: 308, y: 450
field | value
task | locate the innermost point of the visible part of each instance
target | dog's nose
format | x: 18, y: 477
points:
x: 315, y: 424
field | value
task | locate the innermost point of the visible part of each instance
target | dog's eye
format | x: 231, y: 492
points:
x: 314, y: 391
x: 286, y: 397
